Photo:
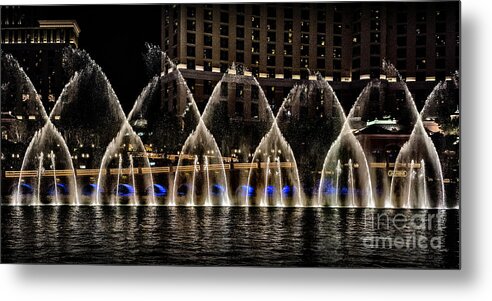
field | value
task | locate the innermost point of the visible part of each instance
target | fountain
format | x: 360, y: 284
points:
x: 346, y: 166
x: 20, y: 99
x: 171, y: 122
x: 125, y: 157
x: 200, y: 165
x: 49, y: 157
x: 87, y: 111
x: 277, y: 176
x: 237, y: 138
x: 309, y: 109
x: 419, y: 148
x: 171, y: 127
x: 214, y: 157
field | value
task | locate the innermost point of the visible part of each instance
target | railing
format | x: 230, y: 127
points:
x: 183, y: 168
x: 115, y: 171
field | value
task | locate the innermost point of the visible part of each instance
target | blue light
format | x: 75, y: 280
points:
x: 125, y: 190
x: 217, y: 189
x: 288, y: 190
x: 329, y: 189
x: 246, y: 190
x: 344, y: 190
x: 26, y: 189
x: 89, y: 190
x: 270, y: 190
x: 61, y: 189
x: 157, y: 190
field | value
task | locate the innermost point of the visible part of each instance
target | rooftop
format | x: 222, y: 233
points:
x: 60, y: 24
x: 381, y: 127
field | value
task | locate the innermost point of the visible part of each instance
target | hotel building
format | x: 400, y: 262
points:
x: 285, y: 44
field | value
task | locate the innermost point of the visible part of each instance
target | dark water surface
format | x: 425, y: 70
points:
x: 231, y: 236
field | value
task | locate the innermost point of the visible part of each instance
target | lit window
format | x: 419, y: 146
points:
x: 191, y: 12
x: 191, y: 25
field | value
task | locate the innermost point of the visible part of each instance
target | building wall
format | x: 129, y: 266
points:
x: 38, y: 46
x: 281, y: 43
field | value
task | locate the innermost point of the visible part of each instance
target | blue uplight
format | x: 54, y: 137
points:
x: 125, y: 190
x: 270, y: 190
x: 218, y: 189
x: 61, y: 189
x: 344, y: 190
x: 26, y: 189
x: 329, y: 189
x: 246, y: 190
x: 288, y: 190
x: 90, y: 189
x: 157, y: 190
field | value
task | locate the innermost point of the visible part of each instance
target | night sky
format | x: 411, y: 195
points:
x: 114, y: 36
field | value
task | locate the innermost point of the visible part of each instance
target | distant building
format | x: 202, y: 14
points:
x: 37, y: 45
x: 281, y: 43
x: 382, y: 139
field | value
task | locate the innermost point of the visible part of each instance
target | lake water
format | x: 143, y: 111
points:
x: 239, y: 236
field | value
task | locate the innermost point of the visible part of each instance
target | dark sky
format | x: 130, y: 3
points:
x: 114, y: 36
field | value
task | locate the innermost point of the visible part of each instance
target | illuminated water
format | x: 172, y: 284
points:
x: 241, y: 236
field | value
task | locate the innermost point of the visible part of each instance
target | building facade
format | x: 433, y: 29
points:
x: 38, y: 45
x: 285, y: 44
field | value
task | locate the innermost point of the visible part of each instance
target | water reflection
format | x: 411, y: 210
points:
x: 227, y: 236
